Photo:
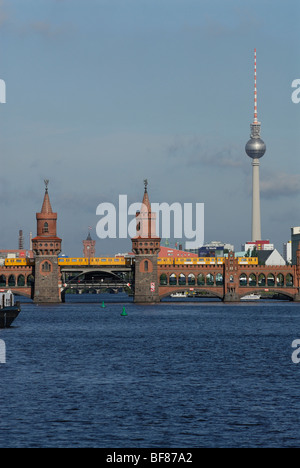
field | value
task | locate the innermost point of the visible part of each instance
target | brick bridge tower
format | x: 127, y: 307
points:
x: 146, y: 247
x: 46, y: 247
x: 231, y: 278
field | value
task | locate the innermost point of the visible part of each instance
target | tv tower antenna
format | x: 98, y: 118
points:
x: 255, y: 89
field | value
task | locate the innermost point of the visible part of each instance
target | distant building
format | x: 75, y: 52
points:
x: 287, y: 251
x: 214, y: 249
x: 166, y: 252
x: 237, y: 254
x: 295, y: 243
x: 270, y: 258
x: 16, y: 254
x: 207, y: 251
x: 259, y: 245
x: 220, y: 245
x: 89, y: 247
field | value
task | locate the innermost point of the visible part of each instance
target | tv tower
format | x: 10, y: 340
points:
x: 255, y: 148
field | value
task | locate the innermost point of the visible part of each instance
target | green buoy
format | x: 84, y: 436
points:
x: 103, y: 305
x: 124, y: 313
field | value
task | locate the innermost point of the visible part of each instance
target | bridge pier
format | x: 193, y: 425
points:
x: 231, y: 297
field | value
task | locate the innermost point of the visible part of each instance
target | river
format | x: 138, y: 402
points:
x: 178, y: 374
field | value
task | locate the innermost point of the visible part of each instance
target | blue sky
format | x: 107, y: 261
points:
x: 104, y: 93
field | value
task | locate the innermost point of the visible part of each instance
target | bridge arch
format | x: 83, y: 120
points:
x: 271, y: 280
x: 30, y: 280
x: 261, y: 280
x: 11, y: 281
x: 191, y: 279
x: 289, y: 280
x: 210, y: 279
x: 3, y: 281
x: 173, y: 279
x: 219, y: 279
x: 201, y: 279
x: 21, y: 280
x: 211, y: 292
x: 252, y: 281
x: 26, y: 292
x: 243, y: 279
x: 163, y: 279
x: 182, y: 279
x: 279, y: 280
x: 275, y: 290
x: 94, y: 279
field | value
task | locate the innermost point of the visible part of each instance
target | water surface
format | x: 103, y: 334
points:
x: 191, y: 374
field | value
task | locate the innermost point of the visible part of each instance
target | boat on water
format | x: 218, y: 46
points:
x: 178, y: 294
x: 251, y: 297
x: 9, y: 309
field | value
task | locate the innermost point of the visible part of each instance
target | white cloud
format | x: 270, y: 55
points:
x: 280, y: 185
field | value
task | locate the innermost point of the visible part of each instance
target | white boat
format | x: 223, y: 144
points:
x: 182, y: 294
x: 9, y: 310
x: 251, y: 297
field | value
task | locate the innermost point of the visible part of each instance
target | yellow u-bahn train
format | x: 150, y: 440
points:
x: 97, y: 261
x: 66, y: 261
x: 205, y: 261
x: 128, y: 261
x: 10, y: 262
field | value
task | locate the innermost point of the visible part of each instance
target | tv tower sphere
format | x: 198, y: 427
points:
x: 256, y: 147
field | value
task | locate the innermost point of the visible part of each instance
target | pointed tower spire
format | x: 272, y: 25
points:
x: 46, y: 219
x: 146, y: 220
x: 46, y: 208
x: 146, y: 206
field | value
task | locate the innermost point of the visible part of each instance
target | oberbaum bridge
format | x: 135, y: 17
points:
x: 45, y: 279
